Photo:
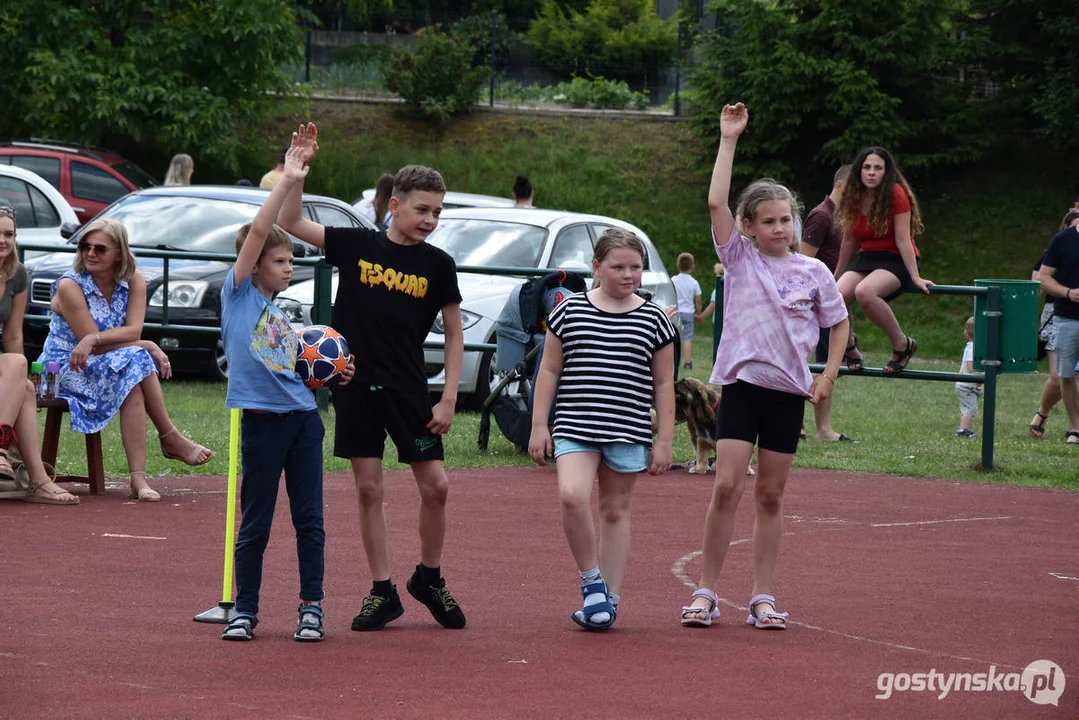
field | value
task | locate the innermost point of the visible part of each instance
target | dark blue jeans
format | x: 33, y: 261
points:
x: 270, y: 443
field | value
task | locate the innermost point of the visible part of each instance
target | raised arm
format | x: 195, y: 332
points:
x: 295, y: 172
x: 290, y: 217
x: 731, y: 124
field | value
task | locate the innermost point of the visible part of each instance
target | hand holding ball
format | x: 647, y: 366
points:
x: 322, y: 356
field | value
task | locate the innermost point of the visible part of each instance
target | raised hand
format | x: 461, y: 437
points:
x: 733, y: 120
x: 306, y: 138
x: 295, y: 167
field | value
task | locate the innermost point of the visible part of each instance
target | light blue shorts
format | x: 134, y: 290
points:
x: 1067, y: 331
x: 618, y: 456
x: 688, y: 320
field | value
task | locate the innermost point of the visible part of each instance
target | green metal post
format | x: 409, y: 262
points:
x: 992, y: 367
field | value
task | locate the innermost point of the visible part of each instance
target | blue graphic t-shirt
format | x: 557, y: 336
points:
x: 261, y: 346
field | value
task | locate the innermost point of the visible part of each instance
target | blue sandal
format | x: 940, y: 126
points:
x: 309, y: 625
x: 583, y: 617
x: 240, y: 627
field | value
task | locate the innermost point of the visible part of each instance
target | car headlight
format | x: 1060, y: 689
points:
x: 291, y: 308
x: 182, y: 294
x: 468, y: 319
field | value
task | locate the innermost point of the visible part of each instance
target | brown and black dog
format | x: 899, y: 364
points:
x: 696, y: 403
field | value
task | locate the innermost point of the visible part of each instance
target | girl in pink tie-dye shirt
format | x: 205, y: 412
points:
x: 774, y: 305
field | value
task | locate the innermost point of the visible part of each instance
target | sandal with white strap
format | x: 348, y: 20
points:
x: 241, y: 627
x: 757, y: 621
x: 696, y: 616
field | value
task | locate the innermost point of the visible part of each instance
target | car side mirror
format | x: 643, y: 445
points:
x: 298, y: 249
x: 68, y: 229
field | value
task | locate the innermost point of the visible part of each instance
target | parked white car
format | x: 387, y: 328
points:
x: 496, y: 237
x: 42, y: 215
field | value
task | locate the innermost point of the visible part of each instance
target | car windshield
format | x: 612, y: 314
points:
x: 134, y: 174
x: 489, y: 243
x: 184, y: 223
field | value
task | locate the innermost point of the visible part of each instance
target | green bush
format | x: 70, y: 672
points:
x: 624, y: 39
x: 437, y: 80
x: 599, y: 92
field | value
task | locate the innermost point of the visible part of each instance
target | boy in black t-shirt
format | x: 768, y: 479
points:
x: 392, y: 286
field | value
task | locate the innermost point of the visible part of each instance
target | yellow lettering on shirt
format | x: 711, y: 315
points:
x: 373, y: 275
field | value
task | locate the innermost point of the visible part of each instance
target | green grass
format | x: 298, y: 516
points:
x: 901, y: 427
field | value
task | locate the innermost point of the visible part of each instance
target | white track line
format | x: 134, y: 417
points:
x: 679, y: 571
x: 133, y: 537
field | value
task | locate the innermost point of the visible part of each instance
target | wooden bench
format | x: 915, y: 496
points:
x: 50, y: 443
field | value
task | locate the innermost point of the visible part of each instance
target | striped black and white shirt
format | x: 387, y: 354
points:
x: 605, y: 391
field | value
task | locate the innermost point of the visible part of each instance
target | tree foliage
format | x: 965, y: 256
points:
x: 622, y: 39
x: 1029, y: 49
x: 437, y: 79
x: 179, y: 75
x: 824, y: 78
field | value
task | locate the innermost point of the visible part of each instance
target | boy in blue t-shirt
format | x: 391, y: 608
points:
x: 280, y: 427
x: 392, y: 287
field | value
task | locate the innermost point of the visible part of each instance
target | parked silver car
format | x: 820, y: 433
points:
x: 497, y: 237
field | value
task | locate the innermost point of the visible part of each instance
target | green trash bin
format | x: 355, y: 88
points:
x: 1018, y: 341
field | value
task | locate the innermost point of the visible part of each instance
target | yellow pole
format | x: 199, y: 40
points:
x: 230, y: 512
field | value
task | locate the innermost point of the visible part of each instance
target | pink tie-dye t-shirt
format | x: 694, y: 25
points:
x: 773, y: 308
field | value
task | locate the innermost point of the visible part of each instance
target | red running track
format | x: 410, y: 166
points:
x: 880, y: 574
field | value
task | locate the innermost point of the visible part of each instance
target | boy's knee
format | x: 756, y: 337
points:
x: 435, y: 492
x: 727, y: 490
x: 370, y: 492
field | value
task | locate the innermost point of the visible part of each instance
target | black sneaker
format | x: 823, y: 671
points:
x: 438, y: 600
x: 377, y: 611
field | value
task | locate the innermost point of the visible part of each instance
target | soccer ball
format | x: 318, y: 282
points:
x: 321, y: 357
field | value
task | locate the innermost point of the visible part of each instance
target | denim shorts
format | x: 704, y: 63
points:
x: 688, y: 320
x: 1067, y: 331
x: 618, y: 456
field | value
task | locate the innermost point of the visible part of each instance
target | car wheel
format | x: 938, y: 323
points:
x: 219, y: 371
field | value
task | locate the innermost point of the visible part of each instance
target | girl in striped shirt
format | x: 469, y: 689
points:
x: 610, y: 356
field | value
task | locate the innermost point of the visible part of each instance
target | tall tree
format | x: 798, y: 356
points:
x: 825, y: 78
x: 180, y: 75
x: 1029, y: 50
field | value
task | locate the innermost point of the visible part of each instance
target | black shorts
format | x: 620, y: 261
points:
x: 867, y: 262
x: 365, y: 414
x: 769, y: 419
x: 823, y: 340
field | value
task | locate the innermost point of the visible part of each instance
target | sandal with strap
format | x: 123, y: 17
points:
x: 1071, y: 437
x: 49, y: 493
x: 852, y: 356
x: 197, y: 455
x: 757, y: 620
x: 7, y: 472
x: 1037, y: 429
x: 900, y: 358
x: 584, y: 616
x: 309, y: 626
x: 696, y: 616
x: 240, y: 627
x: 146, y: 494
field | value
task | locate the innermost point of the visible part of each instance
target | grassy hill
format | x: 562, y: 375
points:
x: 991, y: 220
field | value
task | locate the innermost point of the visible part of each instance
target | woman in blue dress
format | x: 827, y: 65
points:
x: 105, y: 367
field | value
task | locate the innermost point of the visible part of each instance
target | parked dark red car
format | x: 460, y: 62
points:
x: 89, y: 179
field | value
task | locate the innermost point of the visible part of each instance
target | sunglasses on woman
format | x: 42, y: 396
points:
x: 94, y: 248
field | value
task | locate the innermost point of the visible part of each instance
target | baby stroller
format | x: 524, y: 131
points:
x: 519, y: 334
